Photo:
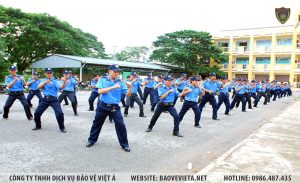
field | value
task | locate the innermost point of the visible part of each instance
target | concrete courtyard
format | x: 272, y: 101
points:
x: 49, y: 151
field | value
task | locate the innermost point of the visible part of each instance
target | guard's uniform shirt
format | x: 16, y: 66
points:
x: 34, y: 85
x: 194, y: 94
x: 51, y: 89
x: 17, y: 86
x: 113, y: 96
x: 171, y: 96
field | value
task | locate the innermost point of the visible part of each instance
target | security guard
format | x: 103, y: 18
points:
x: 94, y: 93
x: 239, y: 96
x: 69, y: 91
x: 210, y: 87
x: 111, y: 90
x: 167, y: 94
x: 149, y: 84
x: 247, y: 95
x: 134, y: 96
x: 15, y: 84
x: 261, y: 92
x: 155, y: 96
x: 181, y: 83
x: 191, y: 93
x: 224, y: 95
x: 252, y: 90
x: 50, y: 87
x: 33, y: 85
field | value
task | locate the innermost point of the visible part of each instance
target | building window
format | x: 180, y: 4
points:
x: 283, y: 60
x: 242, y: 60
x: 263, y: 60
x: 266, y: 43
x: 285, y: 41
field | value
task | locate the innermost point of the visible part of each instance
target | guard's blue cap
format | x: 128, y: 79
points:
x: 70, y: 72
x: 212, y: 74
x: 262, y: 81
x: 160, y: 76
x: 105, y: 75
x: 35, y: 73
x: 245, y: 79
x: 48, y: 69
x: 12, y: 68
x: 195, y: 78
x: 253, y: 81
x: 133, y: 73
x: 223, y: 77
x: 66, y: 72
x: 168, y: 78
x: 114, y: 67
x: 183, y: 75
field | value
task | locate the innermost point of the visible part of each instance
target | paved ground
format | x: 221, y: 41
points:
x: 49, y: 151
x: 274, y: 149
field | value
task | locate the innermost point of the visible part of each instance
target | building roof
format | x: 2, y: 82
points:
x: 68, y: 61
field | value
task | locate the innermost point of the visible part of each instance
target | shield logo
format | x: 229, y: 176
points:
x: 282, y: 14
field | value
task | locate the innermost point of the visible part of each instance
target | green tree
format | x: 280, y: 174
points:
x: 30, y: 37
x: 133, y: 54
x: 188, y: 48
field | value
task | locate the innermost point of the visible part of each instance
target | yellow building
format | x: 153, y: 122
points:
x: 261, y: 53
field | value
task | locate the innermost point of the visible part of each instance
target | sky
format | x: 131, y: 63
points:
x: 121, y: 23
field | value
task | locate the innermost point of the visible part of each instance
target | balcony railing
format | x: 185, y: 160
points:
x: 283, y: 49
x: 263, y: 49
x: 261, y: 67
x: 241, y: 49
x: 282, y: 67
x: 240, y: 67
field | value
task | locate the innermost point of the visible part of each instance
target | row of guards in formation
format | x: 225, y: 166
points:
x: 163, y: 91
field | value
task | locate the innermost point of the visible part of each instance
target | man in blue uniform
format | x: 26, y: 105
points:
x: 224, y: 95
x: 134, y: 96
x: 15, y: 84
x: 181, y: 83
x: 155, y: 96
x: 167, y: 94
x: 94, y: 93
x: 33, y: 85
x: 69, y: 91
x: 50, y: 87
x: 261, y: 92
x: 149, y: 84
x: 252, y: 90
x: 191, y: 93
x: 210, y: 87
x: 110, y: 90
x: 239, y: 96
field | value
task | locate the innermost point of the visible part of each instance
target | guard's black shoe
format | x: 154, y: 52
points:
x: 217, y: 119
x: 66, y: 104
x: 63, y: 131
x: 227, y: 114
x: 197, y: 126
x: 36, y: 128
x: 244, y: 111
x: 177, y: 134
x: 90, y: 110
x: 30, y: 118
x: 149, y: 130
x: 143, y: 116
x: 125, y: 115
x: 76, y: 114
x: 126, y: 149
x: 89, y: 144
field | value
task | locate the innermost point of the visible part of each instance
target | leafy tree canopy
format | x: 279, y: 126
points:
x: 190, y: 49
x: 27, y: 37
x: 133, y: 54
